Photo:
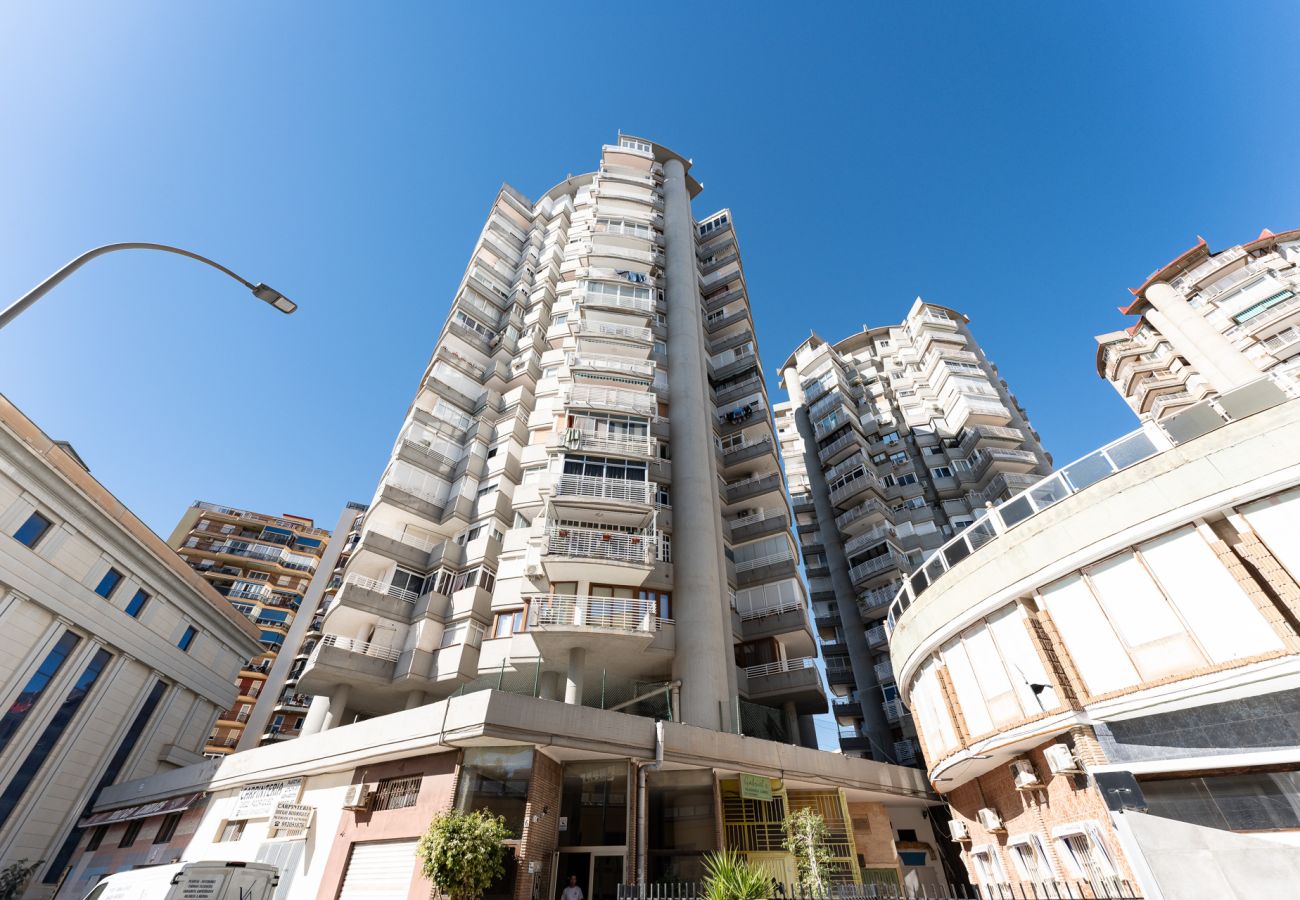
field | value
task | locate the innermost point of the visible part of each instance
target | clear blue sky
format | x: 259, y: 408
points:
x: 1024, y: 162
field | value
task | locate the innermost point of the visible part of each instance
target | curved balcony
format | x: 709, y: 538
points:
x: 584, y: 396
x: 860, y: 516
x: 577, y: 553
x: 577, y: 440
x: 343, y: 660
x: 749, y: 488
x: 592, y: 490
x: 373, y: 596
x: 614, y: 631
x: 413, y: 500
x: 865, y: 571
x: 794, y: 680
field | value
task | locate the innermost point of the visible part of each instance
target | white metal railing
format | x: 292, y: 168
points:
x: 592, y: 543
x: 740, y: 387
x: 250, y: 593
x: 881, y: 532
x: 865, y: 508
x: 760, y: 481
x: 754, y: 518
x: 748, y: 610
x: 849, y: 488
x: 585, y: 327
x: 641, y: 402
x: 1119, y: 454
x: 419, y: 494
x: 844, y: 466
x: 639, y: 304
x: 878, y: 596
x: 975, y: 432
x: 884, y: 671
x: 876, y: 564
x: 636, y: 445
x: 746, y: 445
x: 781, y: 665
x: 379, y: 587
x: 836, y: 446
x: 569, y: 485
x: 876, y: 635
x: 612, y: 364
x: 411, y: 540
x: 362, y: 647
x: 615, y: 613
x: 893, y: 708
x: 767, y: 559
x: 297, y: 527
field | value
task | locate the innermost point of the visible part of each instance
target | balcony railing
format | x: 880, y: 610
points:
x: 593, y: 328
x: 893, y: 708
x: 593, y: 543
x: 569, y: 611
x: 361, y: 647
x: 877, y: 564
x: 782, y: 665
x: 884, y: 671
x: 638, y: 304
x: 1129, y: 450
x: 379, y: 587
x: 754, y: 518
x: 881, y: 532
x: 606, y: 488
x: 749, y: 611
x: 768, y: 559
x: 640, y: 402
x: 876, y: 636
x: 837, y: 445
x: 905, y: 752
x: 632, y: 445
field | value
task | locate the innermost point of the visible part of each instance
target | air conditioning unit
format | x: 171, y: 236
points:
x: 990, y: 819
x: 356, y: 797
x: 958, y: 830
x: 1061, y: 761
x: 1022, y: 770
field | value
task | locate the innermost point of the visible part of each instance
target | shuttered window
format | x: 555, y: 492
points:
x: 379, y: 870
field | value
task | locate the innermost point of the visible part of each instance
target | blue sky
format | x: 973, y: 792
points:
x: 1023, y: 162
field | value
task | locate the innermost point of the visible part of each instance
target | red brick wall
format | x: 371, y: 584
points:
x: 541, y: 826
x: 1062, y: 799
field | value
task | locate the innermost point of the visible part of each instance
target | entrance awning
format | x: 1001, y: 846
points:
x: 144, y: 811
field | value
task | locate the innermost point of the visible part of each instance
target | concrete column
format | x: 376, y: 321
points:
x: 704, y: 661
x: 317, y: 712
x: 548, y: 687
x: 1195, y: 338
x: 337, y: 707
x: 791, y: 722
x: 414, y: 699
x: 573, y: 679
x: 874, y: 724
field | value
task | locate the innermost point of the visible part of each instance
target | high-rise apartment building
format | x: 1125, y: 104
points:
x: 894, y: 439
x: 1208, y: 324
x: 586, y: 489
x: 574, y: 598
x: 115, y: 658
x: 262, y: 564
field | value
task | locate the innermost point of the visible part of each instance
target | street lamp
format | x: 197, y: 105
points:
x: 260, y: 291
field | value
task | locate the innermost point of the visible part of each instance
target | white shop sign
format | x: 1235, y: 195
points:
x: 258, y: 800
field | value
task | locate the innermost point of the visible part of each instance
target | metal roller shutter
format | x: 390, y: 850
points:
x: 379, y: 870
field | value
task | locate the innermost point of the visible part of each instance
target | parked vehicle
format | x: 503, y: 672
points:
x: 207, y: 880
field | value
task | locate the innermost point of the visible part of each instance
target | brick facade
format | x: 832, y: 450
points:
x: 541, y: 834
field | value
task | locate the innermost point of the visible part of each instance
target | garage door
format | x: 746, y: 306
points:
x: 379, y: 870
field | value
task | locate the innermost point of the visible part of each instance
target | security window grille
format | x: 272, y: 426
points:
x: 397, y: 793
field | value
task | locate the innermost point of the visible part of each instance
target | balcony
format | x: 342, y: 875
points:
x: 583, y: 396
x: 876, y: 636
x: 872, y: 602
x: 765, y: 568
x: 590, y: 488
x: 294, y: 701
x: 841, y: 673
x: 839, y: 448
x: 906, y: 752
x: 978, y: 435
x: 846, y: 708
x: 852, y: 741
x: 793, y: 680
x: 600, y: 300
x: 408, y: 551
x: 733, y: 367
x: 615, y: 364
x: 970, y: 409
x: 373, y: 596
x: 738, y: 391
x: 422, y: 455
x: 577, y: 440
x: 756, y: 525
x: 413, y: 500
x: 343, y: 660
x: 861, y: 515
x: 893, y: 708
x: 884, y: 671
x: 881, y: 532
x: 744, y: 452
x: 872, y: 567
x: 1018, y: 461
x: 847, y: 490
x: 748, y: 488
x: 575, y: 553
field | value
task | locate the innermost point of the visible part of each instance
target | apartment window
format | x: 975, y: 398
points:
x: 231, y: 830
x: 898, y: 457
x: 960, y: 465
x: 550, y: 371
x: 484, y: 490
x: 932, y: 451
x: 96, y: 838
x: 112, y: 578
x: 40, y: 751
x: 662, y: 600
x: 1084, y: 855
x: 187, y: 638
x: 988, y: 868
x: 413, y: 582
x: 941, y: 472
x: 1029, y: 858
x: 634, y: 144
x: 509, y: 623
x: 891, y: 438
x: 167, y: 829
x: 31, y: 531
x: 132, y: 832
x: 879, y: 458
x: 26, y: 701
x: 663, y: 497
x: 396, y: 793
x: 1251, y: 311
x: 903, y: 480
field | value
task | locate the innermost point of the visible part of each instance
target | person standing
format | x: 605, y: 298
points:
x: 572, y: 892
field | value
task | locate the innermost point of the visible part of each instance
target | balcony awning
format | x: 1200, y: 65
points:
x: 143, y: 811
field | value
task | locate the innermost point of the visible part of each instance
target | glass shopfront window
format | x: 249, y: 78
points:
x: 682, y: 826
x: 593, y: 804
x: 496, y: 779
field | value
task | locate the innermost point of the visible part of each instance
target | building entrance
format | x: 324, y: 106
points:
x: 599, y: 871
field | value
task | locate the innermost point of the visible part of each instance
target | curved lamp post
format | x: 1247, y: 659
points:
x: 260, y: 291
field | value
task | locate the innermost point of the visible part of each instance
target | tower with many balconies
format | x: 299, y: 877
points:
x: 262, y: 564
x: 894, y: 439
x: 584, y: 502
x: 1210, y: 324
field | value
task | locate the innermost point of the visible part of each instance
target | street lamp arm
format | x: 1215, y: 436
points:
x: 261, y: 291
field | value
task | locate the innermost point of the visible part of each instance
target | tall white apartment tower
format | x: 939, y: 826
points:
x: 894, y: 439
x: 585, y: 501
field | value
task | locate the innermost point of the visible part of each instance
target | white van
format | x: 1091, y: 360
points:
x: 191, y: 881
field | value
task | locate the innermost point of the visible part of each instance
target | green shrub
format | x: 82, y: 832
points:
x: 463, y: 853
x: 729, y: 876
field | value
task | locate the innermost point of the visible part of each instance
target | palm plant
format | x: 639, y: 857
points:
x: 729, y: 876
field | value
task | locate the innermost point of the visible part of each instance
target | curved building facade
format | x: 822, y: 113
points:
x: 1103, y: 670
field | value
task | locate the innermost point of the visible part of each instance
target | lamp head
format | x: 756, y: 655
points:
x: 274, y: 298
